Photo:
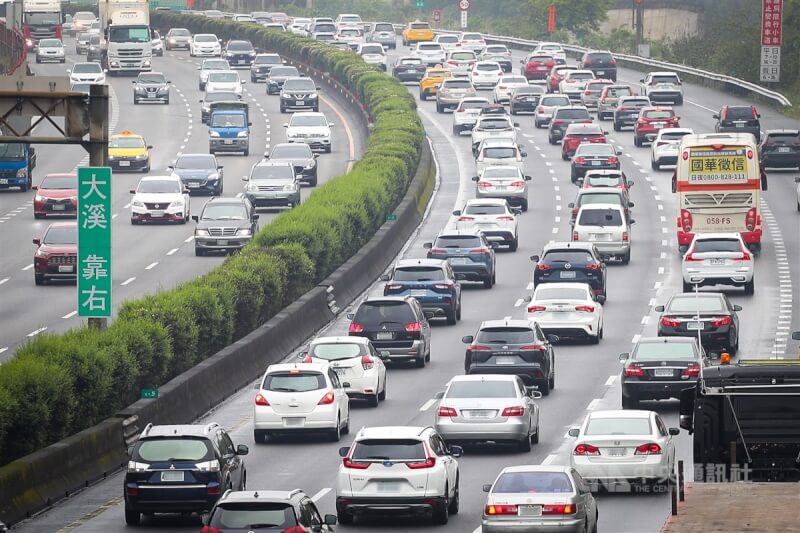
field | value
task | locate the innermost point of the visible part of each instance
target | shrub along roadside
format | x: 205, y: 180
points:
x: 59, y: 384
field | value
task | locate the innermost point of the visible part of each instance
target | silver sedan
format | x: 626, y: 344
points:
x: 489, y: 408
x: 539, y: 498
x: 503, y: 181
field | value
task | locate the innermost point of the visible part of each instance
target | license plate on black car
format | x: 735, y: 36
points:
x: 172, y: 476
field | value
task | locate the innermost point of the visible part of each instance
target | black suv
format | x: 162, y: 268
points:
x: 563, y: 117
x: 301, y: 157
x: 262, y: 64
x: 396, y: 324
x: 513, y: 347
x: 239, y: 53
x: 277, y: 76
x: 780, y: 149
x: 151, y: 87
x: 267, y: 510
x: 738, y: 119
x: 224, y: 225
x: 181, y: 469
x: 602, y: 64
x: 469, y: 253
x: 299, y: 93
x: 571, y: 262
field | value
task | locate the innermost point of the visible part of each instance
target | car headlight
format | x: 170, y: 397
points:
x: 22, y: 173
x: 213, y: 133
x: 310, y: 166
x: 114, y: 63
x: 176, y: 203
x: 285, y: 96
x: 112, y: 157
x: 141, y: 157
x: 313, y: 95
x: 243, y: 232
x: 38, y: 198
x: 133, y: 466
x: 289, y: 187
x: 213, y: 177
x: 201, y: 232
x: 253, y: 54
x: 171, y: 39
x: 40, y: 253
x: 251, y: 187
x: 145, y: 63
x: 137, y: 203
x: 242, y: 134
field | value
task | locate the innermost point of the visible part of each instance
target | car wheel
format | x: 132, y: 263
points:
x: 687, y: 287
x: 733, y: 342
x: 487, y: 283
x: 513, y: 111
x: 456, y: 499
x: 630, y: 402
x: 420, y: 363
x: 544, y: 387
x: 382, y: 393
x: 514, y: 244
x: 616, y: 126
x: 336, y: 432
x: 166, y: 101
x: 537, y: 124
x: 551, y: 140
x: 456, y: 130
x: 679, y: 101
x: 535, y: 436
x: 283, y: 109
x: 38, y: 215
x: 750, y: 286
x: 38, y: 279
x: 439, y: 108
x: 373, y: 400
x: 344, y: 518
x: 524, y: 206
x: 452, y: 317
x: 637, y: 141
x: 247, y: 152
x: 458, y: 310
x: 524, y: 445
x: 328, y: 149
x: 423, y: 95
x: 626, y: 258
x: 441, y: 514
x: 132, y: 518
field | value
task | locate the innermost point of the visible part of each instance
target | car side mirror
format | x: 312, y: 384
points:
x: 468, y: 339
x: 133, y: 82
x: 574, y: 432
x: 249, y: 123
x: 619, y: 152
x: 285, y: 125
x: 659, y: 309
x: 384, y: 354
x: 439, y: 395
x: 715, y: 115
x: 199, y: 68
x: 133, y: 191
x: 428, y: 245
x: 535, y: 258
x: 242, y: 449
x: 331, y: 124
x: 456, y: 451
x: 343, y: 451
x: 630, y: 204
x: 632, y: 222
x: 642, y: 80
x: 350, y: 316
x: 476, y: 178
x: 35, y: 188
x: 185, y: 191
x: 461, y: 277
x: 630, y: 183
x: 195, y: 218
x: 149, y: 146
x: 737, y: 307
x: 624, y: 357
x: 533, y: 393
x: 571, y: 205
x: 674, y: 431
x: 516, y: 124
x: 457, y: 213
x: 523, y: 154
x: 528, y: 178
x: 579, y: 182
x: 600, y: 299
x: 37, y: 241
x: 552, y: 339
x: 330, y: 519
x: 69, y: 71
x: 385, y: 277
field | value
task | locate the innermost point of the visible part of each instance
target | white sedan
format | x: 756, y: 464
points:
x: 506, y: 85
x: 664, y: 149
x: 205, y: 44
x: 87, y: 72
x: 718, y: 259
x: 357, y: 363
x: 224, y: 81
x: 430, y: 53
x: 492, y: 216
x: 160, y: 199
x: 569, y: 310
x: 485, y: 74
x: 614, y: 448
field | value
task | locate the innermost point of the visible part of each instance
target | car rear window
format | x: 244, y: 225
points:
x: 552, y: 291
x: 572, y: 113
x: 650, y: 351
x: 171, y: 450
x: 673, y: 135
x: 568, y: 256
x: 603, y: 181
x: 693, y: 304
x: 481, y: 389
x: 618, y: 426
x: 336, y: 351
x: 485, y: 209
x: 458, y: 241
x: 595, y: 149
x: 505, y: 335
x: 495, y: 123
x: 580, y: 76
x: 376, y: 313
x: 294, y: 381
x: 418, y: 273
x: 420, y: 26
x: 389, y: 449
x: 658, y: 114
x: 473, y: 104
x: 600, y: 198
x: 499, y: 153
x: 717, y: 245
x: 488, y: 66
x: 599, y: 56
x: 738, y: 113
x: 253, y: 515
x: 462, y: 56
x: 429, y: 46
x: 600, y: 217
x: 784, y: 138
x: 532, y: 482
x: 665, y: 79
x: 458, y: 84
x: 495, y: 172
x: 635, y: 102
x: 554, y: 100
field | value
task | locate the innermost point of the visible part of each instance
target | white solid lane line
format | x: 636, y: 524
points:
x: 70, y: 314
x: 318, y: 496
x: 128, y: 281
x: 151, y: 266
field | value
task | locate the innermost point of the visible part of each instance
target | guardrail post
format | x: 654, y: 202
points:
x: 674, y: 497
x: 681, y: 486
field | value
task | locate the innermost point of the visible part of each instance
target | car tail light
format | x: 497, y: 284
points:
x: 625, y: 236
x: 413, y: 327
x: 261, y: 400
x: 753, y: 110
x: 536, y: 308
x: 585, y: 308
x: 517, y: 410
x: 559, y: 508
x: 686, y: 220
x: 430, y: 462
x: 691, y: 371
x: 367, y: 362
x: 495, y: 510
x: 721, y: 321
x: 480, y: 251
x: 358, y: 465
x: 327, y: 399
x: 612, y: 61
x: 750, y: 219
x: 749, y: 154
x: 308, y: 359
x: 209, y: 529
x: 437, y: 251
x: 507, y: 218
x: 452, y: 63
x: 670, y: 322
x: 517, y: 183
x: 460, y: 110
x: 633, y: 371
x: 479, y: 348
x: 485, y: 184
x: 585, y: 449
x: 465, y: 218
x: 651, y: 448
x: 132, y: 491
x: 745, y: 255
x: 613, y: 159
x: 446, y: 411
x: 593, y: 266
x: 580, y: 160
x: 587, y: 63
x: 685, y: 155
x: 443, y: 286
x: 542, y: 267
x: 690, y: 258
x: 355, y: 328
x: 214, y: 490
x: 557, y: 122
x: 575, y: 236
x: 587, y: 92
x: 532, y: 348
x: 540, y: 109
x: 393, y: 286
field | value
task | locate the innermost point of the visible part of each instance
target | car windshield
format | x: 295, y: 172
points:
x: 505, y: 335
x: 376, y: 313
x: 283, y: 71
x: 418, y: 273
x: 179, y: 32
x: 739, y: 113
x: 131, y: 34
x: 372, y: 49
x: 478, y: 209
x: 458, y: 241
x: 335, y: 351
x: 59, y: 182
x: 664, y: 350
x: 61, y: 235
x: 717, y: 245
x: 151, y: 78
x: 495, y: 172
x: 225, y: 120
x: 223, y: 77
x: 308, y: 120
x: 292, y: 151
x: 595, y: 149
x: 462, y: 56
x: 499, y: 152
x: 12, y: 151
x: 618, y: 426
x: 50, y: 43
x: 84, y: 17
x: 599, y: 57
x: 205, y: 38
x: 224, y: 212
x: 126, y: 142
x: 272, y: 172
x: 253, y: 515
x: 94, y: 39
x: 326, y: 28
x: 389, y: 449
x: 240, y: 46
x: 81, y: 87
x: 568, y: 256
x: 488, y: 67
x: 164, y: 450
x: 572, y: 114
x: 658, y: 114
x: 600, y: 217
x: 294, y: 381
x: 303, y: 84
x: 43, y: 18
x: 420, y: 26
x: 495, y: 124
x: 595, y: 86
x: 87, y: 68
x: 693, y: 304
x: 552, y: 291
x: 600, y: 198
x: 205, y: 162
x: 481, y: 389
x: 268, y: 60
x: 664, y: 79
x: 159, y: 186
x: 532, y: 482
x: 553, y: 101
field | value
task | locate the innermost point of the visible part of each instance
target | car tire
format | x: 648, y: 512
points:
x: 373, y: 400
x: 382, y: 393
x: 687, y: 287
x: 423, y: 95
x: 637, y: 141
x: 525, y: 444
x: 316, y: 109
x: 441, y: 513
x: 336, y: 433
x: 132, y: 518
x: 420, y: 363
x: 166, y: 102
x: 655, y: 165
x: 283, y: 109
x: 458, y: 310
x: 247, y: 152
x: 750, y: 287
x: 38, y: 215
x: 199, y: 252
x: 455, y: 501
x: 514, y: 244
x: 328, y: 149
x: 626, y: 258
x: 630, y: 402
x: 679, y: 101
x: 451, y: 317
x: 564, y: 156
x: 487, y: 283
x: 456, y: 130
x: 544, y: 387
x: 38, y: 279
x: 733, y: 342
x: 313, y: 181
x: 537, y: 124
x: 513, y: 111
x: 439, y: 108
x: 617, y: 126
x: 525, y: 206
x: 260, y: 436
x: 551, y: 140
x: 344, y: 518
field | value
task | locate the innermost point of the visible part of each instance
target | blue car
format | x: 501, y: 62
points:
x: 431, y: 281
x: 468, y: 253
x: 200, y: 173
x: 571, y: 262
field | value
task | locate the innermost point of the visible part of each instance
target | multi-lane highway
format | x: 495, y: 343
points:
x: 146, y: 258
x: 587, y: 377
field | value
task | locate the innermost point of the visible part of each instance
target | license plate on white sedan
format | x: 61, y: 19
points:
x: 694, y: 326
x: 156, y: 214
x: 340, y: 371
x: 716, y: 261
x: 596, y: 163
x: 171, y: 476
x: 293, y: 422
x: 616, y: 452
x: 529, y: 510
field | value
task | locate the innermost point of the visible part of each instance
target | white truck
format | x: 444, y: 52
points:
x: 41, y: 19
x: 125, y: 26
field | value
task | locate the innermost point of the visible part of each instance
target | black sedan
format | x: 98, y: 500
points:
x: 512, y: 347
x: 660, y: 368
x: 571, y: 262
x: 409, y: 69
x: 301, y: 157
x: 525, y: 99
x: 594, y: 156
x: 709, y: 314
x: 199, y: 173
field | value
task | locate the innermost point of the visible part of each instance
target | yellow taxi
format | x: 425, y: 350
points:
x: 128, y: 151
x: 417, y: 32
x: 433, y: 78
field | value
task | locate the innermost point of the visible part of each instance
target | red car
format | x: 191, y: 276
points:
x: 555, y: 77
x: 652, y: 119
x: 56, y: 195
x: 580, y: 133
x: 56, y: 254
x: 537, y: 66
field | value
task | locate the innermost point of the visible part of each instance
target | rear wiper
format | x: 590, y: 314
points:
x: 283, y: 389
x: 497, y: 341
x: 382, y: 457
x: 260, y: 526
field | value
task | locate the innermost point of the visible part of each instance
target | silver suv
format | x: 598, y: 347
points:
x: 451, y: 91
x: 272, y: 184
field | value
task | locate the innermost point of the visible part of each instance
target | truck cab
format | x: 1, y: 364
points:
x: 229, y: 127
x: 125, y: 26
x: 41, y: 19
x: 17, y: 161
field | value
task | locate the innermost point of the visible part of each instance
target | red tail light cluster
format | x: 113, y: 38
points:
x: 721, y: 321
x: 542, y: 267
x: 633, y: 371
x: 355, y: 328
x: 750, y: 219
x: 585, y: 449
x: 691, y: 371
x: 209, y: 529
x: 367, y: 362
x: 261, y: 400
x: 430, y: 462
x: 485, y: 184
x: 507, y: 218
x: 686, y: 220
x: 593, y: 266
x: 580, y: 160
x: 327, y: 399
x: 585, y: 308
x: 613, y: 160
x: 358, y: 465
x: 496, y: 510
x: 465, y: 218
x: 413, y: 327
x: 670, y: 322
x: 651, y: 448
x: 481, y: 251
x: 446, y: 411
x: 559, y: 509
x: 479, y: 348
x: 536, y: 308
x: 517, y: 183
x: 437, y: 251
x: 690, y: 258
x: 513, y: 411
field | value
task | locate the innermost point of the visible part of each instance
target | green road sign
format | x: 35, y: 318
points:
x: 391, y: 217
x: 149, y: 394
x: 94, y: 241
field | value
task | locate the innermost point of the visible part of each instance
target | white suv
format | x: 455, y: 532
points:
x: 492, y: 216
x: 663, y: 87
x: 310, y: 127
x: 605, y: 226
x: 357, y: 363
x: 716, y: 259
x: 402, y: 468
x: 297, y: 397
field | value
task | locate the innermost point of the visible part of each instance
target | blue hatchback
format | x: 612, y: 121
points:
x: 468, y: 253
x: 431, y: 281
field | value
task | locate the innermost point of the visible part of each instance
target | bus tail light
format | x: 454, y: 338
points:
x: 686, y: 220
x: 750, y: 219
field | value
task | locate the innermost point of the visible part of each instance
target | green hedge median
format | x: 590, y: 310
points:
x: 57, y: 385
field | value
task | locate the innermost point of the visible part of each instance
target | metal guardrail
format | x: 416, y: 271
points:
x: 12, y: 46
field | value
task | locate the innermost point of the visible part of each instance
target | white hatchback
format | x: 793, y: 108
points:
x: 357, y: 363
x: 87, y: 72
x: 506, y: 85
x: 485, y: 74
x: 568, y: 310
x: 499, y: 154
x: 718, y: 259
x: 310, y: 127
x: 493, y: 126
x: 574, y: 83
x: 205, y: 44
x: 297, y: 397
x: 494, y: 217
x: 466, y: 113
x: 224, y: 81
x: 430, y: 53
x: 664, y: 149
x: 460, y: 62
